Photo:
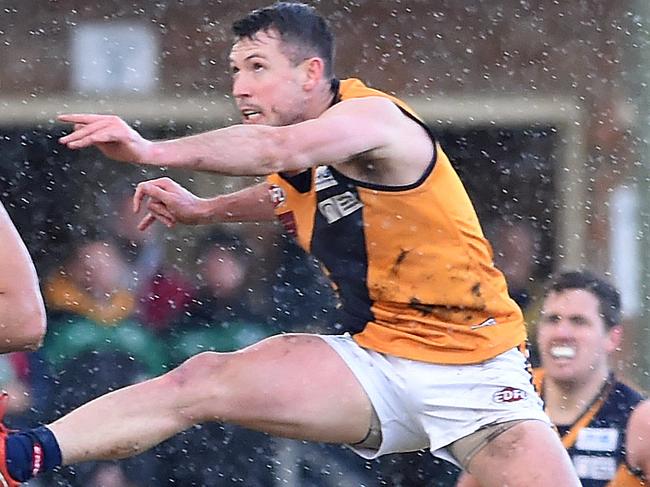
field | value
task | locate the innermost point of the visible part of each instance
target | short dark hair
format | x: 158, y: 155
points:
x: 299, y: 26
x: 609, y: 298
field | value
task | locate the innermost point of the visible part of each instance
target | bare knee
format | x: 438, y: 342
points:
x: 224, y: 387
x: 199, y: 385
x: 197, y: 368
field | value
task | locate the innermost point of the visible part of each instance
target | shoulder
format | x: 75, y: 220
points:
x: 372, y: 106
x: 619, y: 404
x: 640, y: 420
x: 638, y: 438
x: 378, y: 113
x: 625, y: 396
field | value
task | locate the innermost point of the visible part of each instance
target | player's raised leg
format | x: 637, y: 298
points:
x: 288, y: 385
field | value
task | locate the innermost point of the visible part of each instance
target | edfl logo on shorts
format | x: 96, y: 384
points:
x: 509, y: 394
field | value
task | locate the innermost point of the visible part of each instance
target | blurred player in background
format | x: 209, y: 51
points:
x: 604, y: 424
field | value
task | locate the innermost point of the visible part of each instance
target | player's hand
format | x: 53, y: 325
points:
x: 110, y: 134
x: 170, y: 203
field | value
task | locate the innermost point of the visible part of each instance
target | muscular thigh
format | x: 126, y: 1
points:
x: 291, y: 385
x: 529, y: 454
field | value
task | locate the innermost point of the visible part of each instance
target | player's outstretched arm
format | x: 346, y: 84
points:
x: 346, y: 130
x: 170, y: 203
x: 638, y: 439
x: 22, y: 313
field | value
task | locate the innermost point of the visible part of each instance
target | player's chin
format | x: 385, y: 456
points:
x: 562, y: 371
x: 256, y: 120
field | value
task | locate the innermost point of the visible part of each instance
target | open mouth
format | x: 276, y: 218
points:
x: 251, y: 115
x: 562, y: 351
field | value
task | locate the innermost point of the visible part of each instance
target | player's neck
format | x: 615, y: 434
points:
x: 567, y: 400
x: 322, y: 100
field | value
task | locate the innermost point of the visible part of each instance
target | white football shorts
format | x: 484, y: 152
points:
x: 422, y: 405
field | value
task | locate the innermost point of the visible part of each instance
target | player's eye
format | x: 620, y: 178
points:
x: 579, y: 320
x: 550, y: 319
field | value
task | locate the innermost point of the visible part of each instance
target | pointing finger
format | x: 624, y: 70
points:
x: 84, y: 118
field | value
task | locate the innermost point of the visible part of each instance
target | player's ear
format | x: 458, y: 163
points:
x: 314, y: 70
x: 614, y: 338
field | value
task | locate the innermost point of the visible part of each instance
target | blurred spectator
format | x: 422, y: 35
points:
x: 109, y: 475
x: 214, y: 455
x: 303, y: 297
x: 90, y: 308
x: 306, y: 464
x: 517, y: 257
x: 416, y: 469
x: 92, y: 283
x: 230, y: 310
x: 161, y: 291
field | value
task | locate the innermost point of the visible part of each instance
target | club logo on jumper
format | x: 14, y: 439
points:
x: 277, y: 195
x: 324, y: 178
x: 509, y: 394
x: 339, y: 206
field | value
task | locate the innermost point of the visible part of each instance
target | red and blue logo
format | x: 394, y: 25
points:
x: 509, y: 394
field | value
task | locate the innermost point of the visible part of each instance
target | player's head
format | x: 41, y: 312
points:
x: 282, y: 56
x: 579, y: 325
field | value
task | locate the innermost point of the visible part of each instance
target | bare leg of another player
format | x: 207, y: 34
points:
x: 22, y: 313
